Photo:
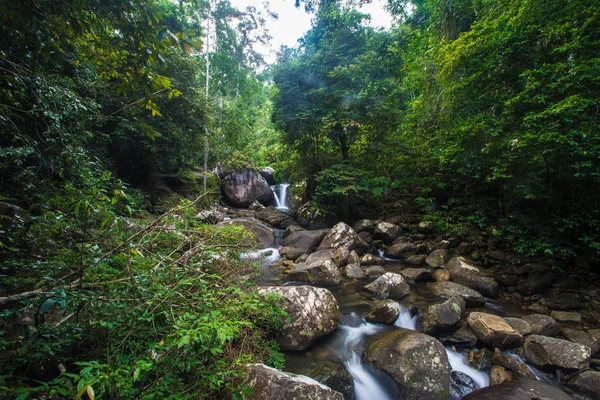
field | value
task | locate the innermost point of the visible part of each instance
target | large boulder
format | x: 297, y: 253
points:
x: 449, y: 289
x: 269, y: 383
x: 318, y: 269
x: 384, y: 312
x: 493, y: 330
x: 542, y: 324
x: 334, y: 376
x: 519, y: 389
x: 535, y: 284
x: 401, y: 250
x: 418, y: 363
x: 587, y: 382
x: 438, y: 258
x: 546, y: 351
x: 301, y: 242
x: 312, y: 313
x: 387, y: 232
x: 440, y: 317
x: 342, y: 240
x: 275, y: 217
x: 388, y: 285
x: 416, y: 274
x: 242, y: 188
x: 364, y: 225
x: 469, y: 275
x: 268, y: 173
x: 263, y: 233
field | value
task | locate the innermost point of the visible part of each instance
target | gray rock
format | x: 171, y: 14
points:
x: 401, y: 250
x: 461, y: 385
x: 353, y: 258
x: 387, y: 232
x: 375, y: 271
x: 564, y: 301
x: 466, y: 274
x: 366, y: 237
x: 242, y: 188
x: 263, y: 233
x: 318, y: 269
x: 581, y: 337
x: 438, y: 258
x: 370, y: 259
x: 384, y: 312
x: 544, y: 351
x: 268, y: 174
x: 439, y: 245
x: 313, y: 312
x: 519, y: 325
x: 535, y: 284
x: 516, y: 368
x: 542, y: 324
x: 334, y: 376
x: 276, y: 218
x: 463, y: 337
x: 587, y: 382
x: 388, y: 285
x: 493, y: 330
x: 341, y: 240
x: 301, y: 242
x: 364, y: 225
x: 447, y: 289
x: 440, y: 317
x: 417, y: 260
x: 269, y: 383
x: 354, y: 271
x: 519, y: 389
x: 566, y: 316
x: 416, y: 274
x: 416, y: 362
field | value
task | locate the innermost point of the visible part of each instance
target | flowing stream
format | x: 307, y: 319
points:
x: 280, y: 192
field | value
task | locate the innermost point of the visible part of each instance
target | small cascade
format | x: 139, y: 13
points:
x: 539, y: 374
x: 459, y: 362
x: 406, y: 319
x: 280, y: 192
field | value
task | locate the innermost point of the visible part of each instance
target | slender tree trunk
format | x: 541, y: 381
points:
x: 206, y: 92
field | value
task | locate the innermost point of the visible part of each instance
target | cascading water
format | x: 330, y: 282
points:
x: 406, y: 320
x: 459, y: 362
x: 280, y: 192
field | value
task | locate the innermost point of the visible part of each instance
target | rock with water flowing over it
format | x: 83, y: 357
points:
x: 418, y: 363
x: 587, y: 382
x: 463, y: 337
x: 387, y: 232
x: 449, y: 289
x: 263, y: 233
x: 334, y: 376
x: 493, y: 330
x: 242, y: 188
x: 438, y: 258
x: 542, y: 324
x: 519, y: 389
x: 384, y: 312
x: 318, y: 269
x: 276, y: 218
x: 440, y: 317
x: 544, y: 351
x: 461, y: 385
x: 401, y: 250
x: 269, y: 383
x: 416, y: 274
x: 469, y: 275
x: 516, y: 368
x: 342, y: 240
x: 312, y: 313
x: 301, y: 242
x: 388, y: 285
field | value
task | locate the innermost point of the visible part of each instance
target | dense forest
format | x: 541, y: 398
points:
x: 116, y: 117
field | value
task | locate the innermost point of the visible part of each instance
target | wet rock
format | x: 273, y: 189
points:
x: 353, y: 271
x: 269, y: 383
x: 375, y: 271
x: 388, y: 285
x: 581, y: 337
x: 535, y: 284
x: 384, y: 312
x: 213, y: 215
x: 441, y: 275
x: 461, y: 385
x: 276, y: 218
x: 519, y: 325
x: 353, y: 258
x: 301, y: 242
x: 438, y: 258
x: 416, y: 274
x: 313, y: 312
x: 466, y: 274
x: 401, y: 250
x: 565, y: 316
x: 440, y: 317
x: 318, y: 269
x: 334, y: 376
x: 387, y: 232
x: 268, y: 174
x: 482, y: 360
x: 463, y: 337
x: 544, y: 351
x: 416, y: 260
x: 465, y: 248
x: 493, y: 330
x: 587, y: 382
x: 542, y: 324
x: 519, y: 389
x: 242, y: 188
x: 341, y: 240
x: 364, y: 225
x: 449, y: 289
x: 366, y: 237
x: 564, y: 301
x: 499, y: 375
x: 370, y: 259
x: 426, y: 227
x: 516, y: 368
x: 418, y: 363
x: 262, y: 232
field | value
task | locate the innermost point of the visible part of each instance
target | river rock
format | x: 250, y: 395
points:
x: 301, y: 242
x: 388, y: 285
x: 493, y: 330
x: 581, y: 337
x: 318, y: 269
x: 401, y: 250
x: 566, y: 316
x: 542, y: 324
x: 213, y: 215
x: 418, y: 363
x: 417, y: 260
x: 499, y: 375
x: 544, y: 351
x: 416, y: 274
x: 463, y: 337
x: 312, y: 218
x: 440, y: 317
x: 466, y: 274
x: 341, y: 240
x: 313, y: 312
x: 364, y: 225
x: 276, y: 218
x: 334, y: 376
x: 269, y: 383
x: 519, y: 389
x: 242, y: 188
x: 564, y: 301
x: 516, y: 368
x: 535, y: 284
x: 426, y: 227
x: 370, y: 259
x: 375, y: 271
x: 384, y: 312
x: 461, y: 385
x: 438, y: 258
x: 519, y: 325
x: 449, y: 289
x: 387, y: 232
x: 354, y: 271
x: 262, y: 232
x: 441, y: 275
x: 587, y: 382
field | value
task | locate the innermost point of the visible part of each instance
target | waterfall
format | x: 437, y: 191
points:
x: 280, y: 192
x: 406, y: 320
x: 459, y: 363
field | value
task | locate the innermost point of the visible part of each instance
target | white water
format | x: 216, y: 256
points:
x: 264, y: 256
x: 458, y: 362
x: 280, y: 192
x: 405, y: 320
x: 380, y: 252
x: 539, y: 375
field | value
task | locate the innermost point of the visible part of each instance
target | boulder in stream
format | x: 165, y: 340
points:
x: 318, y: 269
x: 440, y: 317
x: 418, y: 363
x: 313, y: 312
x: 438, y: 258
x: 387, y: 232
x: 401, y: 250
x: 542, y: 324
x: 334, y: 376
x: 269, y: 383
x: 416, y: 274
x: 519, y: 389
x: 388, y: 285
x: 276, y: 218
x: 384, y: 312
x: 544, y: 351
x: 519, y: 325
x: 342, y: 240
x: 493, y: 330
x: 587, y: 382
x: 242, y: 188
x: 262, y: 232
x: 469, y: 275
x: 301, y: 242
x: 449, y: 289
